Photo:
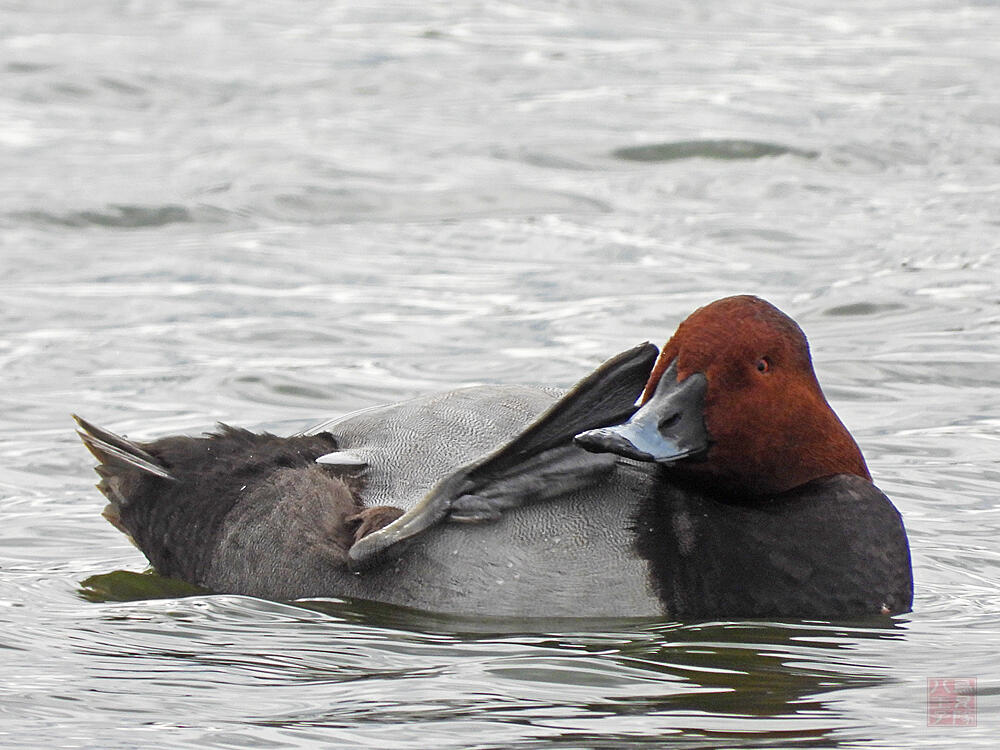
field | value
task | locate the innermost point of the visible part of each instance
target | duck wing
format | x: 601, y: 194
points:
x: 539, y: 463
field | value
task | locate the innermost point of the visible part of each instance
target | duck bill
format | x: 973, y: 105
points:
x: 668, y: 427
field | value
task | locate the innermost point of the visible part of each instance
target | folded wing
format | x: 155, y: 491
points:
x: 538, y: 464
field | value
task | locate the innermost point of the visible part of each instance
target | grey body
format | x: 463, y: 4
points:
x: 411, y: 445
x: 569, y: 556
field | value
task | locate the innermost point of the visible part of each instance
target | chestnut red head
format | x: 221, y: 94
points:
x: 766, y: 425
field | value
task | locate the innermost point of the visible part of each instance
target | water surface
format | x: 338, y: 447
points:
x: 272, y: 216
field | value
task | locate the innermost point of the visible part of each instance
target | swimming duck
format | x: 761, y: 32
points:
x: 708, y: 480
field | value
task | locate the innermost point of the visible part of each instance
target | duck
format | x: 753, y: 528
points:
x: 710, y: 479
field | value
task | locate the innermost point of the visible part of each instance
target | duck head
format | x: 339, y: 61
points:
x: 733, y: 403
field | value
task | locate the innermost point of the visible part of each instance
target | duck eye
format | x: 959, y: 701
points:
x: 763, y: 364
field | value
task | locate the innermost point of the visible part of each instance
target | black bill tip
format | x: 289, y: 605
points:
x: 609, y: 440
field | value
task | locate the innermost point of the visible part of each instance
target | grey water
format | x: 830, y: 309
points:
x: 271, y: 214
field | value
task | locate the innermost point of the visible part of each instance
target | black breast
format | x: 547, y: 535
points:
x: 832, y: 548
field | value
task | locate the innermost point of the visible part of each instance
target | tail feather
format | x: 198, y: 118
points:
x: 106, y: 436
x: 117, y: 454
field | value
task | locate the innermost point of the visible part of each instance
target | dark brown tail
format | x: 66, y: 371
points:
x: 119, y: 458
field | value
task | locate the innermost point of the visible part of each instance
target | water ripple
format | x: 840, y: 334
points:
x: 724, y: 149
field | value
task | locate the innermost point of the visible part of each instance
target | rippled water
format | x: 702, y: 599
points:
x: 273, y: 215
